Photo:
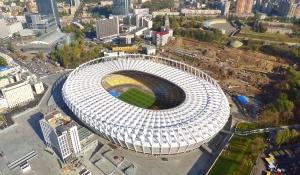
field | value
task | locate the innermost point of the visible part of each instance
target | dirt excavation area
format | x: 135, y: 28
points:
x: 236, y: 70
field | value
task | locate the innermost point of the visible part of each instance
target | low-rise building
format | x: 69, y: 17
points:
x: 126, y: 39
x: 61, y: 135
x: 155, y: 13
x: 151, y: 50
x: 14, y: 28
x: 194, y: 12
x: 38, y: 86
x: 141, y: 11
x: 18, y: 93
x: 279, y: 30
x: 126, y: 48
x: 161, y: 38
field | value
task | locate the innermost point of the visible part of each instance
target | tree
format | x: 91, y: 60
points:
x: 40, y: 55
x: 3, y: 61
x: 10, y: 47
x: 278, y: 137
x: 282, y: 104
x: 24, y: 57
x: 258, y: 144
x: 38, y: 34
x: 269, y: 118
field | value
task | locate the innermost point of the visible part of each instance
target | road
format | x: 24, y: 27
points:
x: 265, y: 130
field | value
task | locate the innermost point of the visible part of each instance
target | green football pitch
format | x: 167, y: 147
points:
x: 138, y: 98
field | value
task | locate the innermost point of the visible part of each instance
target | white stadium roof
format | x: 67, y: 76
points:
x: 200, y: 117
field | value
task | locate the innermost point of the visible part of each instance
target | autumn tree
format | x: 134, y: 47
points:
x: 257, y: 144
x: 269, y: 118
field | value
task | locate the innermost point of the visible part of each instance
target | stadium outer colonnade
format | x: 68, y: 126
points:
x: 184, y: 140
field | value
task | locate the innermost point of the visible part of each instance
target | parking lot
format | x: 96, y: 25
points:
x: 40, y: 68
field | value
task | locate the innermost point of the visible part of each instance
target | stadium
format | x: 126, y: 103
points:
x: 147, y: 104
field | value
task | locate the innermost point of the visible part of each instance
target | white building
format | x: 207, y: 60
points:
x: 107, y: 28
x: 61, y: 135
x: 225, y: 6
x: 142, y: 11
x: 193, y: 12
x: 146, y: 22
x: 161, y: 38
x: 4, y: 31
x: 3, y: 103
x: 151, y: 50
x: 14, y: 28
x: 18, y: 93
x: 38, y: 87
x: 138, y: 21
x: 166, y: 34
x: 126, y: 39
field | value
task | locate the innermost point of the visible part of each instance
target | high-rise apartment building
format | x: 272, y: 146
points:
x: 48, y: 7
x: 61, y: 135
x: 121, y: 7
x: 289, y: 9
x: 224, y: 7
x: 75, y: 3
x: 244, y: 6
x: 107, y: 28
x: 258, y: 4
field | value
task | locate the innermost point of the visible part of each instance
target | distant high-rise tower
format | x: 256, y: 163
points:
x: 121, y: 7
x: 75, y: 3
x: 224, y: 7
x: 244, y: 6
x: 48, y: 7
x: 258, y: 4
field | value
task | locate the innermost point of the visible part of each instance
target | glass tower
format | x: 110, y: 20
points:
x: 121, y: 7
x: 48, y: 7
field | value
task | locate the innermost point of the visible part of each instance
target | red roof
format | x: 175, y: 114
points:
x: 163, y: 33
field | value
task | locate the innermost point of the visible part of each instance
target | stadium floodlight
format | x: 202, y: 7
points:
x: 202, y: 114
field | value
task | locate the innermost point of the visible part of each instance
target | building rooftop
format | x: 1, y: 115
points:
x: 49, y: 38
x: 162, y: 33
x: 15, y: 85
x: 59, y: 122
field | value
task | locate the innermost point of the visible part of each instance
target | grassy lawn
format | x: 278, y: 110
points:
x: 138, y: 98
x: 247, y: 126
x: 231, y: 160
x: 269, y: 37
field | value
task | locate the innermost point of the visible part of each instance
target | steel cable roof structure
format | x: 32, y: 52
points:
x: 202, y: 114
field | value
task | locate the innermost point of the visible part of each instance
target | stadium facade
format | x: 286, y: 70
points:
x: 184, y: 127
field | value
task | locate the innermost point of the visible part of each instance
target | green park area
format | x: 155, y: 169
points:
x: 240, y: 156
x: 248, y: 126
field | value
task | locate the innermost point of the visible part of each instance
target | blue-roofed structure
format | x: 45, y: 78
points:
x: 242, y: 99
x: 3, y: 68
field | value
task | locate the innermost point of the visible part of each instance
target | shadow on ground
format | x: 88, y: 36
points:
x: 35, y: 124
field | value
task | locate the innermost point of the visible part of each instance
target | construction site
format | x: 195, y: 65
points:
x: 237, y: 71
